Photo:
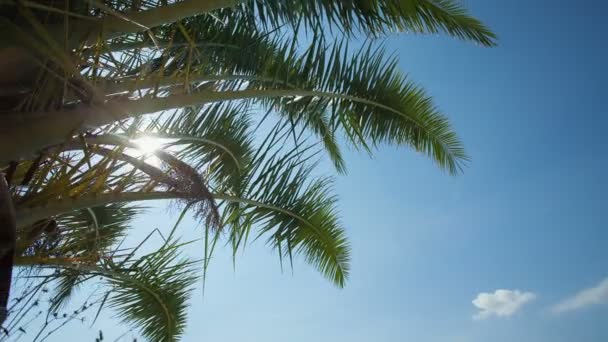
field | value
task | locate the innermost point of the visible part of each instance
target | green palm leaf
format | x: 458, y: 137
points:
x: 373, y: 17
x: 152, y: 296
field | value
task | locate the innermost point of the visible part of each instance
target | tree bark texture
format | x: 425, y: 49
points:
x: 7, y: 245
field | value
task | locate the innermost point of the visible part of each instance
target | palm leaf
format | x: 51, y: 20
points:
x: 153, y: 295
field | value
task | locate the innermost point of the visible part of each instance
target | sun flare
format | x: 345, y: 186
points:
x: 145, y: 148
x: 148, y: 145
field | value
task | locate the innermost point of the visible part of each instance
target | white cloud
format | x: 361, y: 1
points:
x: 591, y: 296
x: 501, y: 303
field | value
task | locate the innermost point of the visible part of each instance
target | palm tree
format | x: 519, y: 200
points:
x: 245, y: 97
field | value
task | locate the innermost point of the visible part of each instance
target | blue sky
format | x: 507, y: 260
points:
x: 529, y: 213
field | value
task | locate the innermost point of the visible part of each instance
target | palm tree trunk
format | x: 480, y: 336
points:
x: 7, y: 245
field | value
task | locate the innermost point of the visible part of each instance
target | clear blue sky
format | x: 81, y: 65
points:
x: 529, y: 213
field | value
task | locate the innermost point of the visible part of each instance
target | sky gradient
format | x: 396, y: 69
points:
x: 528, y: 214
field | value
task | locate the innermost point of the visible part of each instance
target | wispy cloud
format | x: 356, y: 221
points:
x: 501, y: 303
x: 587, y: 297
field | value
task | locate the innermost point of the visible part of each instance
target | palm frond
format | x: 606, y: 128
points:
x: 151, y: 294
x: 96, y: 229
x: 215, y: 138
x: 281, y: 199
x: 373, y: 17
x: 67, y: 283
x: 327, y: 88
x: 85, y: 235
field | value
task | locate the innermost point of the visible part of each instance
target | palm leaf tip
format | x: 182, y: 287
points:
x: 316, y: 233
x: 153, y: 297
x: 374, y: 103
x: 362, y: 95
x: 332, y: 260
x: 374, y: 18
x: 325, y: 247
x: 451, y: 17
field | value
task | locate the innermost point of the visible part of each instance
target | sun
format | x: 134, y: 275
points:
x: 148, y: 145
x: 145, y: 148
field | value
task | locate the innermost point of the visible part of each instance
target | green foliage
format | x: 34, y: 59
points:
x: 293, y: 209
x: 372, y: 17
x: 246, y: 100
x: 86, y: 233
x: 153, y: 294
